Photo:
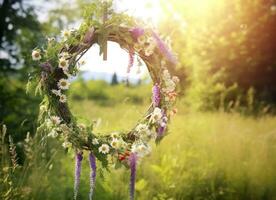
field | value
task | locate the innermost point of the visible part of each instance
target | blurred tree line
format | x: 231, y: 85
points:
x: 227, y: 50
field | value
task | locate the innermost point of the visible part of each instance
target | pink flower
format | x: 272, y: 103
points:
x: 137, y: 32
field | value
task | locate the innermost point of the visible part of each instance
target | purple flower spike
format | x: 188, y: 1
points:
x: 156, y: 95
x: 77, y: 174
x: 131, y: 60
x: 137, y: 32
x: 132, y: 164
x: 92, y: 161
x: 161, y: 130
x: 164, y: 49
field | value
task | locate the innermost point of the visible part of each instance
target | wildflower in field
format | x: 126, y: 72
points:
x: 56, y: 92
x: 82, y: 126
x: 55, y: 120
x: 95, y: 141
x: 36, y: 54
x: 51, y: 39
x: 104, y: 149
x: 140, y: 149
x: 66, y: 34
x: 63, y: 64
x: 156, y: 95
x: 156, y: 115
x: 63, y: 84
x: 115, y: 143
x: 166, y: 75
x: 169, y: 86
x: 62, y: 98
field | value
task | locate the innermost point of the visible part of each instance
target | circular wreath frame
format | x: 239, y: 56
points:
x: 158, y: 61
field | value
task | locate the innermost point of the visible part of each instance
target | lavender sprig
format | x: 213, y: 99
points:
x: 79, y: 158
x: 132, y: 164
x: 164, y: 49
x: 156, y: 95
x: 92, y: 162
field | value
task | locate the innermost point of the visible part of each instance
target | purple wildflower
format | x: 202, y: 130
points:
x: 92, y: 161
x: 137, y: 32
x: 132, y: 165
x: 164, y: 49
x: 46, y: 66
x: 131, y: 59
x: 77, y: 173
x: 88, y: 37
x: 156, y: 95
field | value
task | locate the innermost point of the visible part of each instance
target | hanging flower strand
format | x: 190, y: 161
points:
x: 132, y: 165
x: 79, y: 158
x: 92, y: 162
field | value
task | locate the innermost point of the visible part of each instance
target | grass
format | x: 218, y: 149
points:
x: 212, y: 155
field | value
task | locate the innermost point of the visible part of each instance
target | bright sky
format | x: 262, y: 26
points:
x: 117, y: 58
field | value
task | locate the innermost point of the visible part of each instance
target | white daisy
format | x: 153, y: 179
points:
x: 63, y: 84
x: 115, y: 143
x: 63, y: 63
x: 66, y: 34
x: 156, y: 115
x: 140, y: 149
x: 36, y: 54
x: 55, y: 120
x: 115, y: 135
x: 62, y: 98
x: 95, y: 141
x: 104, y: 149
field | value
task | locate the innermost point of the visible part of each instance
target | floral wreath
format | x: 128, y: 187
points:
x: 60, y: 60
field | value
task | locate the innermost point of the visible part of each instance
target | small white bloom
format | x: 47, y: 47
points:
x: 115, y: 135
x: 156, y: 115
x: 141, y: 40
x: 95, y: 141
x: 149, y: 50
x: 140, y: 149
x: 66, y: 34
x: 104, y: 149
x: 175, y: 79
x: 66, y: 144
x: 170, y: 85
x: 36, y: 55
x: 65, y: 55
x: 55, y: 120
x: 51, y: 39
x: 63, y: 63
x: 166, y: 75
x: 56, y: 92
x: 62, y: 98
x: 53, y: 134
x: 63, y: 84
x: 115, y: 143
x: 143, y: 129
